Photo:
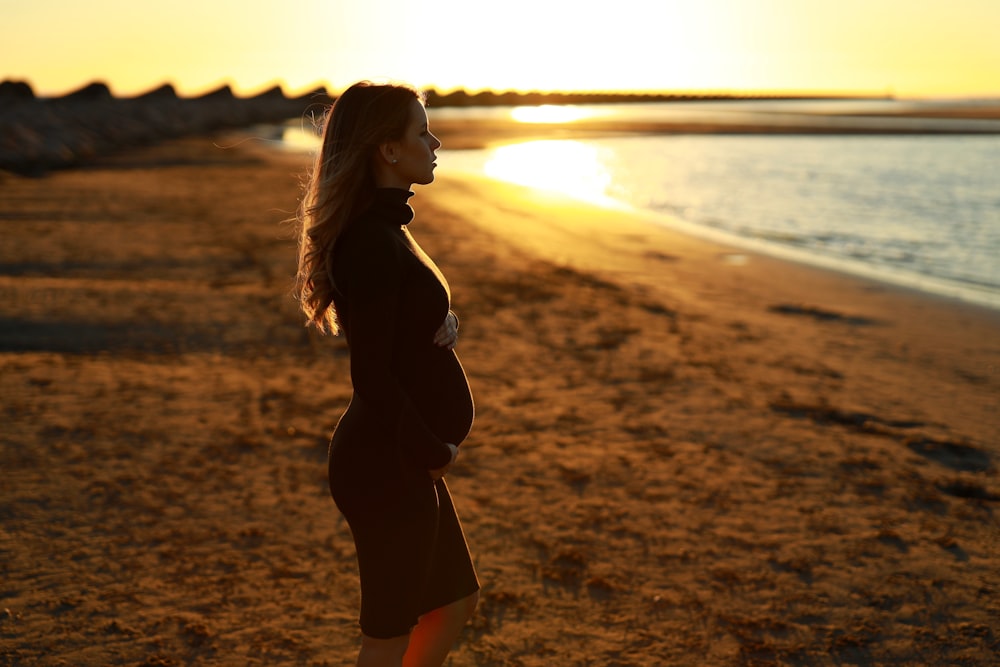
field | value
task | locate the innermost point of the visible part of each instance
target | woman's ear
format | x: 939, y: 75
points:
x: 387, y: 152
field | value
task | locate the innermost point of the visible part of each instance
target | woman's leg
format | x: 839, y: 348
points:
x: 437, y: 631
x: 382, y: 652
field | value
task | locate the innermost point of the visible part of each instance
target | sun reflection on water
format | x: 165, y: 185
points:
x: 569, y: 167
x: 300, y: 138
x: 549, y: 113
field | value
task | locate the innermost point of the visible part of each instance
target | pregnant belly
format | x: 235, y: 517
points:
x: 441, y: 394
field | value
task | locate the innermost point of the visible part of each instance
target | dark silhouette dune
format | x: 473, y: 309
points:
x: 92, y: 92
x: 219, y: 94
x: 40, y: 134
x: 16, y: 90
x: 164, y: 92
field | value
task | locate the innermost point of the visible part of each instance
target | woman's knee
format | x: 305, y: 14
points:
x: 375, y: 651
x: 454, y: 614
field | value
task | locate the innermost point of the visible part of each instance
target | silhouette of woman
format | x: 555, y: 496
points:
x: 362, y: 273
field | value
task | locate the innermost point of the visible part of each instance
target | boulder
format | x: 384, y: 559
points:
x: 16, y: 90
x: 93, y: 92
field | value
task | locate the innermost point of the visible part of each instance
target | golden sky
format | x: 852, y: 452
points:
x: 912, y: 48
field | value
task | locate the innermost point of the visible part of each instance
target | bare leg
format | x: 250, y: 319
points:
x: 382, y: 652
x: 437, y: 631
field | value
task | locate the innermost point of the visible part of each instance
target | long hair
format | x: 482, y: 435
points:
x: 342, y: 185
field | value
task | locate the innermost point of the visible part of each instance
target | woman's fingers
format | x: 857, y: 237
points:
x: 447, y: 333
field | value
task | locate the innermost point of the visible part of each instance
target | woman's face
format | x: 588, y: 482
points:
x: 414, y: 153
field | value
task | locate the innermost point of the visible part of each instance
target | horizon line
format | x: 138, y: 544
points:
x: 440, y: 91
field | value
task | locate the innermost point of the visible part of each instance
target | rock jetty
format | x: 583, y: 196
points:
x: 38, y: 134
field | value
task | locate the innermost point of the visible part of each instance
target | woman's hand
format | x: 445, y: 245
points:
x: 447, y: 334
x: 441, y: 472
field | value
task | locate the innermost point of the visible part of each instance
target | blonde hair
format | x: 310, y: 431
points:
x: 341, y: 185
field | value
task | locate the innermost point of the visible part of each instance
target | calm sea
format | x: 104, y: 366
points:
x: 920, y: 210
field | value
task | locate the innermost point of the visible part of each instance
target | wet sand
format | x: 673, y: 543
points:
x: 684, y: 454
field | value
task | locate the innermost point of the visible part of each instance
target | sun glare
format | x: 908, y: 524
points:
x: 569, y: 167
x: 300, y: 138
x: 636, y: 45
x: 549, y: 113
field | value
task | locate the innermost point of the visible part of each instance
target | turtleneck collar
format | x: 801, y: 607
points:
x: 390, y: 204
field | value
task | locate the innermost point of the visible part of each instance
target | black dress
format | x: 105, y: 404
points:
x: 410, y: 398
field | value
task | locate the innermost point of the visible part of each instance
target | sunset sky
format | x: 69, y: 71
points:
x: 912, y: 48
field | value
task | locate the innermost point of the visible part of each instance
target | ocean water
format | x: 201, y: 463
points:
x: 919, y: 210
x: 922, y: 211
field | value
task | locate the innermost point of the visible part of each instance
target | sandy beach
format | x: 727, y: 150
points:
x: 684, y: 453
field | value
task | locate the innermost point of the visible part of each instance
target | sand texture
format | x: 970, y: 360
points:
x: 684, y: 454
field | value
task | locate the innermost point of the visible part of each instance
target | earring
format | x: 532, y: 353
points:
x: 394, y: 160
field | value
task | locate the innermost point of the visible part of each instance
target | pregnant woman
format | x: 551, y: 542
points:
x: 363, y: 274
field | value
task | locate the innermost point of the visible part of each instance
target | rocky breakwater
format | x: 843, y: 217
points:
x: 38, y: 134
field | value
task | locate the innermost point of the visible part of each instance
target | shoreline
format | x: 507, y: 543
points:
x: 610, y: 240
x: 683, y: 453
x: 972, y: 295
x: 920, y: 284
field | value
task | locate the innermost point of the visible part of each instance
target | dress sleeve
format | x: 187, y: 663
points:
x: 375, y: 276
